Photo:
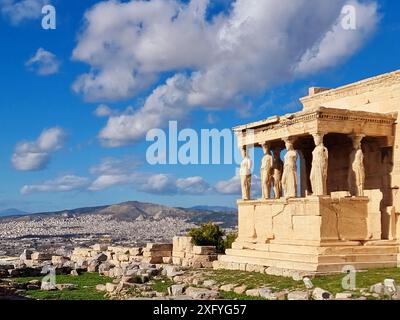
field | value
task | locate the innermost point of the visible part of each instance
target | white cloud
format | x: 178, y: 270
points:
x: 115, y: 166
x: 103, y: 111
x: 162, y: 184
x: 166, y: 102
x: 153, y: 183
x: 257, y: 45
x: 18, y: 11
x: 337, y: 43
x: 43, y: 63
x: 231, y: 186
x: 113, y: 172
x: 61, y: 184
x: 193, y: 185
x: 109, y: 180
x: 35, y: 155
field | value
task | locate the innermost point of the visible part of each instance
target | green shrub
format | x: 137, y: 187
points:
x: 229, y: 239
x: 208, y: 234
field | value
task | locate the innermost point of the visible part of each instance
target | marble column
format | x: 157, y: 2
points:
x: 277, y: 169
x: 266, y: 171
x: 356, y: 175
x: 289, y: 176
x: 245, y: 175
x: 319, y: 169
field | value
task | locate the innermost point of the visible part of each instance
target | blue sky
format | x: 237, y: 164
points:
x: 214, y: 65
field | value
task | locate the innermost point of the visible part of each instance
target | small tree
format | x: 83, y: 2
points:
x: 229, y: 239
x: 208, y: 234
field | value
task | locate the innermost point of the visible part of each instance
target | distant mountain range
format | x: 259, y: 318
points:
x: 12, y: 212
x: 134, y: 210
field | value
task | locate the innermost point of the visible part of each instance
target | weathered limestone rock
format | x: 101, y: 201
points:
x: 172, y: 271
x: 281, y: 295
x: 40, y: 256
x: 182, y: 244
x: 321, y: 294
x: 100, y: 247
x: 26, y: 255
x: 135, y: 251
x: 100, y: 257
x: 201, y: 294
x: 298, y: 295
x: 159, y: 247
x: 48, y: 286
x: 343, y: 295
x: 273, y: 271
x: 101, y: 287
x: 122, y: 257
x: 202, y: 261
x: 266, y: 293
x: 110, y: 287
x: 253, y: 293
x: 59, y: 260
x: 157, y: 254
x: 167, y: 260
x: 81, y: 252
x: 187, y: 255
x: 66, y: 286
x: 227, y: 287
x: 209, y: 283
x: 93, y: 266
x: 176, y: 290
x: 240, y: 290
x: 204, y: 250
x: 377, y: 288
x: 118, y: 249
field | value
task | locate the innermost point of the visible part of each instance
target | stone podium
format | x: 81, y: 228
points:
x: 345, y: 143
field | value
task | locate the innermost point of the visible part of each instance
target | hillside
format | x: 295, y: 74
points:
x: 134, y: 210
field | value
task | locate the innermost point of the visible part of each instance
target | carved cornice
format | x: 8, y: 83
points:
x: 320, y: 114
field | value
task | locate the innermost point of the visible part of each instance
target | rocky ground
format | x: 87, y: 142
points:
x: 166, y: 282
x: 121, y: 273
x: 59, y: 232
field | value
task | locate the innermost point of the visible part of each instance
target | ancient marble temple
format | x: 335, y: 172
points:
x: 332, y: 198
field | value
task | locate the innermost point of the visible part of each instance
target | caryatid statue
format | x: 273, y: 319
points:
x: 356, y: 177
x: 319, y: 169
x: 289, y: 177
x: 277, y: 167
x: 245, y: 174
x: 266, y: 172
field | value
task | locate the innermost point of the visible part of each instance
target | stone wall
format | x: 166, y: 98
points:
x: 188, y: 255
x: 308, y: 219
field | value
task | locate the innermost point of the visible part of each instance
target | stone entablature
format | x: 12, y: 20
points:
x: 317, y: 120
